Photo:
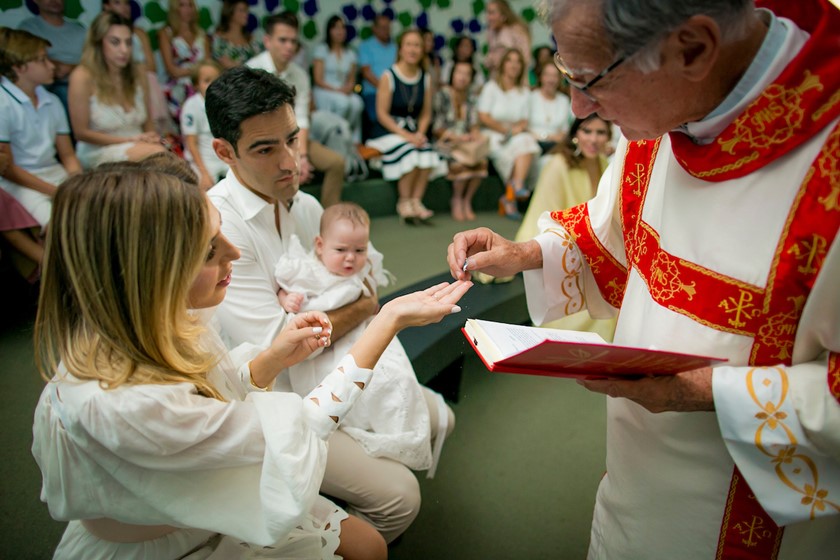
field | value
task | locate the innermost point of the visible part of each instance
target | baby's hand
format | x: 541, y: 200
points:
x: 291, y: 301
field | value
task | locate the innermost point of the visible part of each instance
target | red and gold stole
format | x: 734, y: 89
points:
x: 800, y: 103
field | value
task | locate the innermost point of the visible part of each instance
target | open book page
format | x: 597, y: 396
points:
x: 509, y: 340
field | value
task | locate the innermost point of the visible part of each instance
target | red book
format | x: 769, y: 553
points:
x: 558, y: 353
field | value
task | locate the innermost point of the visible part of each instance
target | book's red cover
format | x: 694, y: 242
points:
x: 593, y: 361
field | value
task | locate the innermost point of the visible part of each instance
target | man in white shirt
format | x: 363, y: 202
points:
x: 257, y: 135
x: 715, y: 232
x: 281, y: 43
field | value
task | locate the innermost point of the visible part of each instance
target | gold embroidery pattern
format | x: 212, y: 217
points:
x: 794, y: 468
x: 832, y: 101
x: 779, y: 330
x: 829, y: 165
x: 571, y: 265
x: 739, y: 310
x: 778, y: 120
x: 737, y: 164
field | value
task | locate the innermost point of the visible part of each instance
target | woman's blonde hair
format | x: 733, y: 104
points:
x: 173, y: 19
x: 522, y: 70
x: 17, y: 48
x: 93, y: 58
x: 509, y: 16
x: 123, y: 249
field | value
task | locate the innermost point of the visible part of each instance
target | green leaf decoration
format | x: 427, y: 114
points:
x: 310, y: 30
x: 292, y: 5
x: 73, y: 9
x: 478, y: 7
x: 205, y: 19
x: 528, y: 14
x: 154, y: 13
x: 10, y: 4
x: 443, y: 4
x: 426, y: 4
x: 366, y: 33
x: 153, y: 39
x: 405, y: 19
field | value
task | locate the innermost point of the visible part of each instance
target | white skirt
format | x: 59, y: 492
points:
x: 400, y: 157
x: 504, y: 154
x: 315, y: 538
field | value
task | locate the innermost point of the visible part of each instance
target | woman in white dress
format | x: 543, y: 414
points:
x: 183, y: 44
x: 334, y: 75
x: 108, y: 97
x: 152, y: 441
x: 404, y: 115
x: 503, y: 109
x: 550, y: 112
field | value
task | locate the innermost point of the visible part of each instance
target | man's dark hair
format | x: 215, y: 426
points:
x: 239, y: 94
x: 285, y: 18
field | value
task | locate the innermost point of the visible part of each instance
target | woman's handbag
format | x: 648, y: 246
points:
x: 470, y: 152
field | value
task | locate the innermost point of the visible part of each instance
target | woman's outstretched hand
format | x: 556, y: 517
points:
x: 427, y: 306
x: 301, y: 336
x: 411, y: 310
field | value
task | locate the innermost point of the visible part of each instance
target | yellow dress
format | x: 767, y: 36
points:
x: 560, y: 187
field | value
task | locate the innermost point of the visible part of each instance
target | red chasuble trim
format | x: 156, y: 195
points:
x: 834, y: 375
x: 610, y: 275
x: 747, y: 532
x: 803, y: 100
x: 770, y: 314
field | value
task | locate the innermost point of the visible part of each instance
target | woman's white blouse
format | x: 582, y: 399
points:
x: 504, y: 106
x: 163, y: 454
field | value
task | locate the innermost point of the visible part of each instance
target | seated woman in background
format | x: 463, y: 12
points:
x: 456, y: 121
x: 404, y: 115
x: 183, y: 44
x: 505, y: 31
x: 463, y: 50
x: 141, y: 52
x: 108, y: 97
x: 153, y: 441
x: 334, y: 76
x: 570, y: 177
x: 503, y: 108
x: 550, y: 112
x: 233, y: 44
x: 542, y: 55
x: 433, y: 62
x: 195, y: 129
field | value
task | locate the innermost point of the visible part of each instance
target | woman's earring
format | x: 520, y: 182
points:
x: 577, y: 146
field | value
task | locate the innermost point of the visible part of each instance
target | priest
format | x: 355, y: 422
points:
x: 714, y: 232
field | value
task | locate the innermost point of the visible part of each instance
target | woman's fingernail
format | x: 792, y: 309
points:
x: 455, y: 309
x: 317, y: 330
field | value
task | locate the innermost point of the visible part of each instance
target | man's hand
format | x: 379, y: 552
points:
x: 489, y: 252
x: 689, y: 391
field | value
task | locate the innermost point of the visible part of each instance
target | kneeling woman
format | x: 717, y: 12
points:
x: 152, y: 440
x: 404, y: 114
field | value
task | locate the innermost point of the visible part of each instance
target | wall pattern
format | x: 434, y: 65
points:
x: 447, y: 18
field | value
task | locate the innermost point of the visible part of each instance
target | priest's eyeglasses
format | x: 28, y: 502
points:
x: 584, y: 87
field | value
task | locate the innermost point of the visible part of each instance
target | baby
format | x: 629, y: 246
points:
x: 392, y: 419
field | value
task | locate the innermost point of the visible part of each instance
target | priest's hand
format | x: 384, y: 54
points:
x: 485, y: 250
x: 689, y: 391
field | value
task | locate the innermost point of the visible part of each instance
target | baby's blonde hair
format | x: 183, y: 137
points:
x: 344, y: 211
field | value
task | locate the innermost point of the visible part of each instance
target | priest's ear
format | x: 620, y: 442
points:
x: 693, y: 48
x: 225, y: 151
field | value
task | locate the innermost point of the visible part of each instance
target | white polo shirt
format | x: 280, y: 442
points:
x: 294, y: 75
x: 30, y: 130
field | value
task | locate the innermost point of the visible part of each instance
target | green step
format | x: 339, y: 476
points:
x: 379, y: 197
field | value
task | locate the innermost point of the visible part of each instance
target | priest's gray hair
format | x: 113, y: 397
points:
x: 635, y: 28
